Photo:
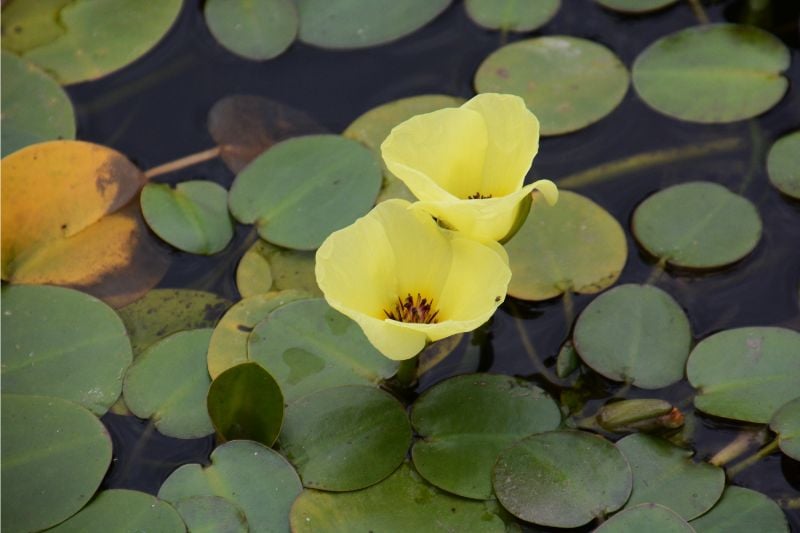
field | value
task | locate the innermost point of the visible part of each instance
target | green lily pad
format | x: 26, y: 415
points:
x: 786, y: 423
x: 178, y: 408
x: 402, y: 501
x: 64, y: 343
x: 85, y: 39
x: 636, y: 334
x: 635, y: 6
x: 567, y: 360
x: 265, y: 268
x: 255, y: 478
x: 345, y: 438
x: 562, y: 478
x: 211, y: 514
x: 783, y: 164
x: 466, y: 421
x: 192, y: 217
x: 162, y: 312
x: 734, y: 73
x: 698, y: 224
x: 362, y: 23
x: 569, y: 83
x: 512, y: 15
x: 35, y: 107
x: 308, y: 346
x: 303, y: 189
x: 228, y: 346
x: 649, y: 517
x: 742, y: 509
x: 245, y: 402
x: 255, y: 30
x: 54, y: 455
x: 575, y: 245
x: 746, y: 373
x: 665, y: 474
x: 122, y: 511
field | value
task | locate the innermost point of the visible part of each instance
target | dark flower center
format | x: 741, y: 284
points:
x: 415, y: 310
x: 478, y: 196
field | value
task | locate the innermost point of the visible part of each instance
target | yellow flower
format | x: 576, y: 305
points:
x: 467, y: 165
x: 406, y: 281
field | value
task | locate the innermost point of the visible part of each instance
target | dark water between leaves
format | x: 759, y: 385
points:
x: 155, y: 111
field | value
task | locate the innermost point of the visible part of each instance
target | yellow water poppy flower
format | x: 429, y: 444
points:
x: 406, y: 281
x: 467, y: 165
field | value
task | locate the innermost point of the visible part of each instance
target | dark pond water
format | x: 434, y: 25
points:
x: 155, y: 111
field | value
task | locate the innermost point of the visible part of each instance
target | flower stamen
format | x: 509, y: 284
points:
x: 416, y: 311
x: 478, y: 196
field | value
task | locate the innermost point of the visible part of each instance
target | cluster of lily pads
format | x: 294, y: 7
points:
x: 317, y: 429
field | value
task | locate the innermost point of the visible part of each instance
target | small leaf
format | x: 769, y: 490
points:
x: 124, y: 510
x: 255, y: 30
x: 512, y: 15
x: 265, y: 268
x: 783, y: 164
x: 786, y: 423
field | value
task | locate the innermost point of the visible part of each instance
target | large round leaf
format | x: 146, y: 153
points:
x: 567, y: 82
x: 636, y: 334
x: 303, y: 189
x: 211, y: 514
x: 35, y: 107
x: 403, y: 501
x: 665, y: 474
x: 575, y: 245
x: 345, y: 438
x: 54, y: 455
x: 734, y: 73
x: 786, y: 423
x: 783, y: 164
x: 466, y: 421
x: 697, y: 225
x: 169, y: 383
x: 562, y: 478
x: 513, y: 15
x: 650, y: 517
x: 360, y: 23
x: 308, y: 346
x: 64, y: 343
x: 746, y: 373
x: 192, y: 217
x: 265, y: 268
x: 123, y: 511
x: 247, y: 473
x: 85, y: 39
x: 742, y: 509
x: 635, y: 6
x: 255, y: 30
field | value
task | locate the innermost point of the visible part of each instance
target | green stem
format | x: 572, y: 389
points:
x: 406, y: 376
x: 699, y: 11
x: 529, y: 349
x: 183, y: 162
x: 753, y: 459
x: 790, y: 503
x: 734, y: 449
x: 655, y: 274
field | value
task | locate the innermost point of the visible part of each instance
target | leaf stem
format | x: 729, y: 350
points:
x: 655, y: 274
x: 753, y: 459
x: 699, y: 12
x: 529, y: 349
x: 735, y: 448
x: 183, y: 162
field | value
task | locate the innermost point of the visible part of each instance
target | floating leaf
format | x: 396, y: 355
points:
x: 742, y: 509
x: 178, y: 409
x: 636, y: 334
x: 85, y: 39
x: 303, y: 189
x: 635, y: 6
x: 575, y: 245
x: 345, y: 438
x: 665, y: 474
x: 513, y: 15
x: 783, y: 164
x: 786, y: 423
x: 567, y: 82
x: 650, y: 517
x: 60, y: 342
x: 403, y: 501
x: 54, y: 454
x: 567, y: 360
x: 466, y: 421
x: 734, y: 73
x: 562, y: 478
x: 362, y: 23
x: 35, y: 107
x: 265, y: 268
x: 245, y: 402
x: 211, y: 514
x: 228, y: 346
x: 746, y: 373
x: 124, y: 510
x: 307, y: 346
x: 192, y: 217
x: 255, y: 30
x: 698, y: 224
x: 246, y: 125
x: 255, y: 478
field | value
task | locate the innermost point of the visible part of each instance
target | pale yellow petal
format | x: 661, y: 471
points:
x: 548, y: 190
x: 391, y: 338
x: 513, y: 133
x: 438, y: 155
